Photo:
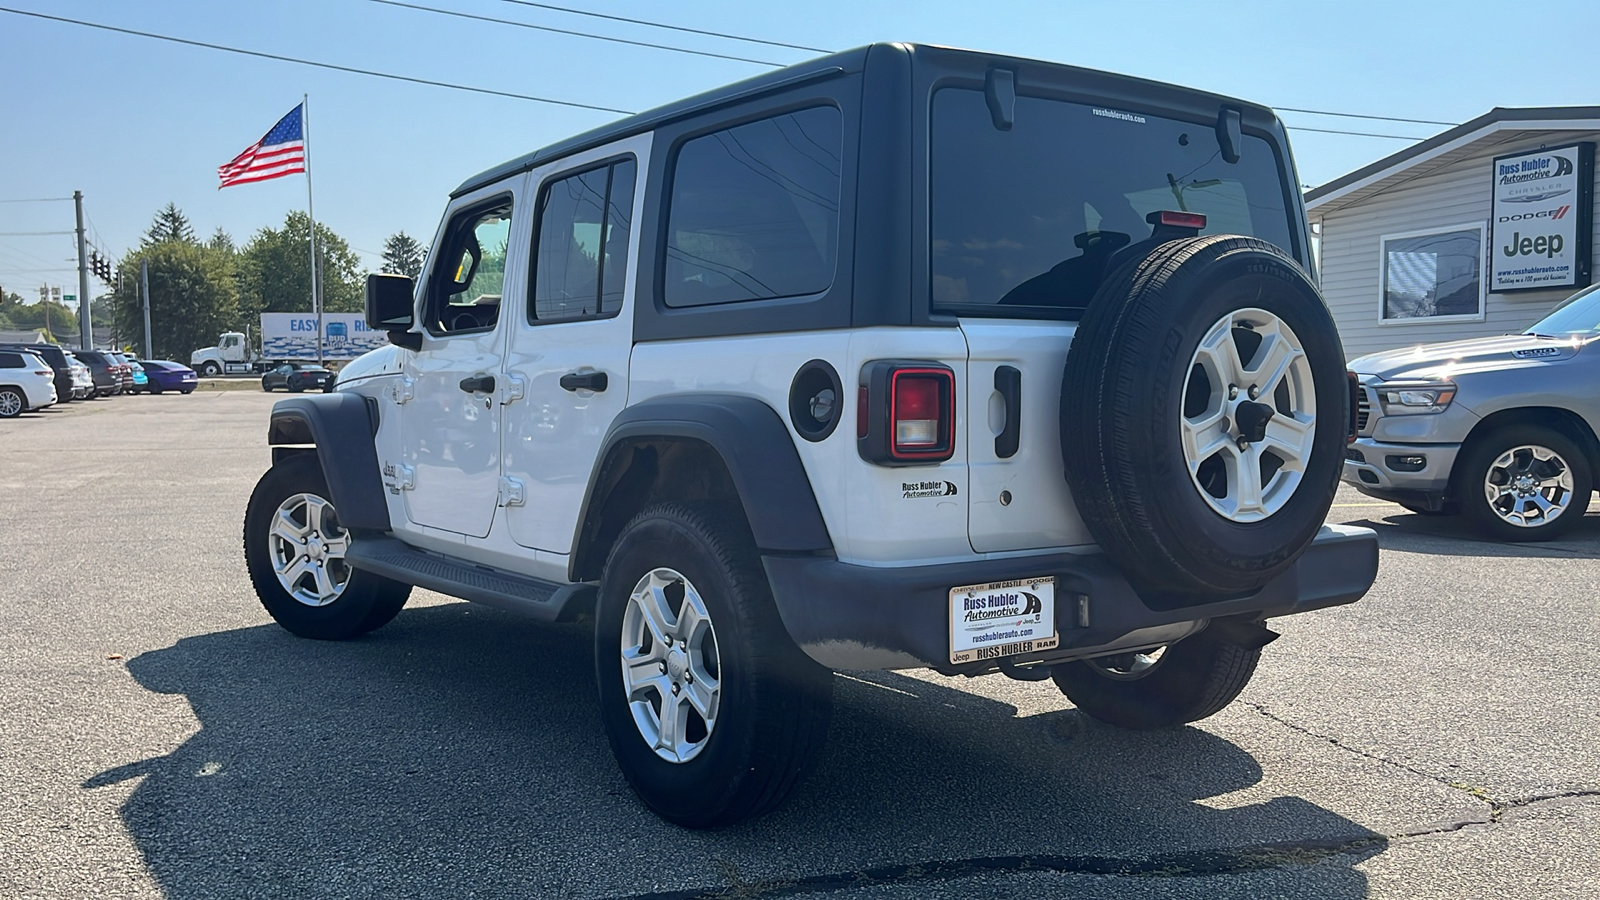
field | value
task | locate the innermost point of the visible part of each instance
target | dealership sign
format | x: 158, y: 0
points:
x: 1543, y: 213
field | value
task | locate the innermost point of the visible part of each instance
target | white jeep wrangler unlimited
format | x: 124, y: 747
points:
x: 902, y: 357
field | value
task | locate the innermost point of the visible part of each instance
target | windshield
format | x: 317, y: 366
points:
x: 1579, y: 315
x: 1027, y: 219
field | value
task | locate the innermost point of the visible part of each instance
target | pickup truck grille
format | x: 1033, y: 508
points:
x: 1363, y: 409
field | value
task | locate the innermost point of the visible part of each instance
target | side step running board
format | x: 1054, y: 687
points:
x: 543, y: 600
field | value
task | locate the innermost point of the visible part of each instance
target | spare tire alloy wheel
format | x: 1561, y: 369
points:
x: 1249, y: 415
x: 1202, y: 431
x: 670, y: 665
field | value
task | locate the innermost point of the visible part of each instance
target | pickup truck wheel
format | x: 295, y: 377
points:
x: 713, y: 713
x: 294, y: 549
x: 1524, y: 483
x: 1161, y: 688
x: 1203, y: 415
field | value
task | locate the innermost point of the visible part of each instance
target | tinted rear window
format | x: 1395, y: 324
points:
x: 1024, y: 220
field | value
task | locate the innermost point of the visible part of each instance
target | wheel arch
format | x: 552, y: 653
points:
x: 339, y: 428
x: 1563, y: 420
x: 699, y: 447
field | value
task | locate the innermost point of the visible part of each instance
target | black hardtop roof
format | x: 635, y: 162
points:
x: 844, y: 62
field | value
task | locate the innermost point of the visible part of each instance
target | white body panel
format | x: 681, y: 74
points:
x: 38, y: 391
x: 553, y: 436
x: 1040, y: 512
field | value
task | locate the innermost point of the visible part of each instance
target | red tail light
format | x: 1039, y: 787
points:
x: 42, y: 372
x: 907, y: 413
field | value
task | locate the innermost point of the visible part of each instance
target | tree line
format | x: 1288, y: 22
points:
x: 201, y: 288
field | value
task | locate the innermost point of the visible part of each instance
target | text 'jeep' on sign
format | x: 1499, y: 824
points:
x: 784, y: 378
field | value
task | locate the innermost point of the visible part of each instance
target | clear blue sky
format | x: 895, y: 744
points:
x: 136, y: 123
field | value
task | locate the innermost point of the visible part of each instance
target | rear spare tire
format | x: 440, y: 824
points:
x: 1203, y: 415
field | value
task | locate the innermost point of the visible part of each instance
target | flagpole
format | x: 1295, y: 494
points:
x: 311, y: 213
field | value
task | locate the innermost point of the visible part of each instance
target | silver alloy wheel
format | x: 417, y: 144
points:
x: 306, y: 545
x: 10, y: 404
x: 671, y: 670
x: 1528, y: 486
x: 1249, y: 415
x: 1129, y: 666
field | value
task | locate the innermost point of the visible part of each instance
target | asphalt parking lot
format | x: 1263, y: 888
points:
x: 160, y: 737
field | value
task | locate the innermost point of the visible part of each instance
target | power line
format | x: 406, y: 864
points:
x: 309, y: 62
x: 720, y: 34
x: 37, y: 200
x: 583, y: 34
x: 31, y: 233
x: 1323, y: 112
x: 1397, y: 137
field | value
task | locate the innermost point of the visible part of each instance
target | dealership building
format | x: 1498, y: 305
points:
x: 1478, y: 231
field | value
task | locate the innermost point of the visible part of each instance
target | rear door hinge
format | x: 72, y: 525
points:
x: 403, y: 390
x: 399, y: 478
x: 512, y: 387
x: 511, y: 493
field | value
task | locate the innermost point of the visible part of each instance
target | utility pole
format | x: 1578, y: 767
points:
x: 144, y: 294
x: 85, y: 330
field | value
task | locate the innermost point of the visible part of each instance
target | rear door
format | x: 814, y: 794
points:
x: 569, y: 352
x: 1027, y: 220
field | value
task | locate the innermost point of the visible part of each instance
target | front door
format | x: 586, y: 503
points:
x: 449, y: 424
x: 569, y: 353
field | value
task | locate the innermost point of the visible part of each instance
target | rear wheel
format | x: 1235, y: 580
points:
x: 1164, y: 687
x: 713, y: 713
x: 294, y: 549
x: 12, y: 403
x: 1202, y: 415
x: 1524, y: 483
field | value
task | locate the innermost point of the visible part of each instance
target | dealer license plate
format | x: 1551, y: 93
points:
x: 1003, y: 618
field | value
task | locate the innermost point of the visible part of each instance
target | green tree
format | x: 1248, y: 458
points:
x: 193, y: 298
x: 169, y: 224
x: 402, y: 255
x: 56, y: 319
x: 275, y: 270
x: 221, y: 240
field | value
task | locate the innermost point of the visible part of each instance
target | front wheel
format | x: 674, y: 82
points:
x: 1524, y: 483
x: 294, y: 549
x: 713, y: 713
x: 210, y: 369
x: 1161, y: 688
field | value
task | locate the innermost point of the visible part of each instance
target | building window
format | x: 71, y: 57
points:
x: 1432, y: 276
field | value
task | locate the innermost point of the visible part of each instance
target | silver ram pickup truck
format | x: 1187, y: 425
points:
x: 1499, y: 429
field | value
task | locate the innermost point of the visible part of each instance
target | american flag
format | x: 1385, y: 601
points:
x: 282, y: 151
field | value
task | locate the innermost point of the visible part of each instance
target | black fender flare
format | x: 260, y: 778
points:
x: 341, y: 427
x: 754, y: 444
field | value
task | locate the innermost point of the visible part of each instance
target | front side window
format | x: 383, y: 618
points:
x: 1025, y: 221
x: 585, y: 224
x: 1432, y: 275
x: 470, y: 275
x: 755, y: 211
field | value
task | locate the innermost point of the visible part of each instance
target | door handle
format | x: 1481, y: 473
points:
x: 478, y: 384
x: 584, y: 381
x: 1008, y: 381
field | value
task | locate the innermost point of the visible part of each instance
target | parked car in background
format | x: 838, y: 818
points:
x: 296, y: 377
x: 26, y: 383
x: 56, y: 358
x: 124, y: 370
x: 107, y: 372
x: 141, y: 382
x: 165, y: 375
x: 82, y: 380
x: 1498, y: 429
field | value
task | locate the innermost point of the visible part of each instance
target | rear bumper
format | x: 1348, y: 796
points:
x: 866, y: 617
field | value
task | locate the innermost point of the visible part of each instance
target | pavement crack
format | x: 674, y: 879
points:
x: 1189, y: 864
x: 1262, y: 709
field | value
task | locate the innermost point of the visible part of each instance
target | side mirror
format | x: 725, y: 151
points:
x: 391, y: 308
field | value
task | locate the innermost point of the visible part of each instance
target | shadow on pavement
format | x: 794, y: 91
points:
x: 457, y: 752
x: 1455, y: 536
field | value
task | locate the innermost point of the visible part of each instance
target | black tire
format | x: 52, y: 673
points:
x: 156, y: 389
x: 210, y: 369
x: 1123, y: 393
x: 15, y: 400
x: 266, y: 387
x: 367, y: 602
x: 1192, y: 679
x: 775, y: 702
x: 293, y: 389
x: 189, y: 390
x: 1472, y: 469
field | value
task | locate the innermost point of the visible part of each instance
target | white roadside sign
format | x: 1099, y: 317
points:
x: 1540, y: 215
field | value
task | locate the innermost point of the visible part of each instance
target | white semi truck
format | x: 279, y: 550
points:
x: 288, y: 337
